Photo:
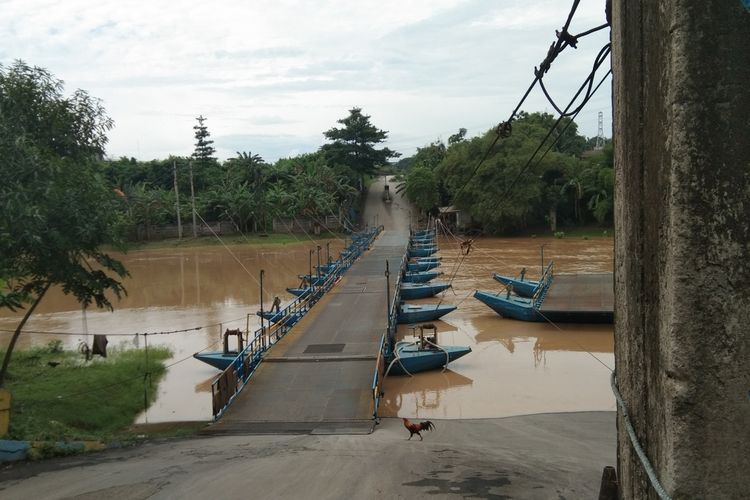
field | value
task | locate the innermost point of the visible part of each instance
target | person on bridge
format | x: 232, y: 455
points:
x: 276, y: 304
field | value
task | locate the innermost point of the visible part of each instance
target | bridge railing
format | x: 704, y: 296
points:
x: 544, y: 282
x: 233, y: 379
x: 385, y: 341
x: 378, y: 376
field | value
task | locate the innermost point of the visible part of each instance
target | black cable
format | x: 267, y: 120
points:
x: 598, y: 60
x: 586, y: 82
x: 504, y: 128
x: 570, y: 120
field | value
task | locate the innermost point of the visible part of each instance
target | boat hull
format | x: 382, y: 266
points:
x: 421, y: 291
x: 420, y: 276
x: 299, y: 292
x: 526, y: 288
x: 415, y: 360
x: 422, y: 251
x: 521, y: 309
x: 410, y: 313
x: 275, y: 317
x: 422, y: 266
x: 217, y: 359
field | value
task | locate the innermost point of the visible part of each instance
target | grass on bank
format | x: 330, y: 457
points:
x: 58, y: 396
x: 235, y: 239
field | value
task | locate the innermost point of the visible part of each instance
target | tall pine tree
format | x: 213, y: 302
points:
x: 204, y: 161
x: 204, y: 151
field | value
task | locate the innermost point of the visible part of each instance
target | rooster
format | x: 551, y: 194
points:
x: 417, y: 428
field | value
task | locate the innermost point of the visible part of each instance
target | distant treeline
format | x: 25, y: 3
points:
x: 572, y: 185
x: 248, y: 191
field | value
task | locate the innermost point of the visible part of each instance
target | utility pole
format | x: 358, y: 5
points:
x: 600, y: 133
x: 318, y: 262
x: 192, y: 198
x: 177, y: 199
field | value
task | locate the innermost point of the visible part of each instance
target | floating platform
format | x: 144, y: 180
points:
x: 570, y: 298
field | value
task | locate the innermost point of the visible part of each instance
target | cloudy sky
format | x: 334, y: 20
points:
x: 272, y: 75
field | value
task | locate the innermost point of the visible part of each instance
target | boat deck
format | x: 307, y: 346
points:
x: 573, y: 293
x: 318, y: 378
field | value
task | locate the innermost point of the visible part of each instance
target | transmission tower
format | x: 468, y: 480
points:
x: 600, y: 133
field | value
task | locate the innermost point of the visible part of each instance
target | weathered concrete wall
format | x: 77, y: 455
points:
x: 682, y: 249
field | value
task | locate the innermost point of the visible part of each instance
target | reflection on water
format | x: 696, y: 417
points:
x: 172, y: 289
x: 514, y: 367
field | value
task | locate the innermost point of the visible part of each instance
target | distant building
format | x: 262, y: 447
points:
x: 454, y: 218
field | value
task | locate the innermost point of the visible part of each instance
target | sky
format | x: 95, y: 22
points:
x: 271, y: 76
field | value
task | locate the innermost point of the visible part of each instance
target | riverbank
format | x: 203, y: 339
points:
x: 235, y: 239
x: 58, y: 396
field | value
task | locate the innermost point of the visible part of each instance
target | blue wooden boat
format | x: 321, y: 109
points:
x: 422, y: 241
x: 222, y: 359
x: 419, y: 313
x: 526, y: 310
x: 299, y: 292
x: 275, y: 317
x: 420, y: 276
x: 524, y: 288
x: 429, y: 258
x: 422, y: 251
x: 327, y: 268
x: 217, y: 359
x: 509, y: 306
x: 415, y: 359
x: 314, y: 279
x: 421, y: 266
x: 422, y: 290
x: 423, y: 232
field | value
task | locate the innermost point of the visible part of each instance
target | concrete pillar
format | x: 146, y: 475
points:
x: 681, y: 100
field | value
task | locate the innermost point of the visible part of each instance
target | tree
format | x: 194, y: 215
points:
x: 354, y: 144
x: 457, y: 137
x: 204, y: 151
x: 57, y: 208
x: 204, y: 162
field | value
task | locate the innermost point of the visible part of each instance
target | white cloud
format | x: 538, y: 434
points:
x: 266, y: 69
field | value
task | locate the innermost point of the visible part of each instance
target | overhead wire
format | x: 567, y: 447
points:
x: 564, y: 39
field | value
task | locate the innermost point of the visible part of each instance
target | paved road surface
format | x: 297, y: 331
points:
x: 549, y: 456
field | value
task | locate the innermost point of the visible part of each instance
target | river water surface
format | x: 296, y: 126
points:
x: 514, y: 367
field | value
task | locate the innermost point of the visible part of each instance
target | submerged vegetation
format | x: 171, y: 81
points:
x: 59, y: 396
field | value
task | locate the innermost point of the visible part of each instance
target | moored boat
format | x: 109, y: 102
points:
x: 422, y: 290
x: 222, y: 359
x: 524, y: 288
x: 419, y: 313
x: 415, y: 359
x: 421, y: 266
x: 275, y: 317
x: 422, y: 251
x: 509, y: 306
x: 420, y: 276
x: 299, y: 292
x: 314, y: 279
x: 217, y: 359
x: 423, y: 354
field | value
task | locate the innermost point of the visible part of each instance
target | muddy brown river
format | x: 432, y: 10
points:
x: 514, y: 367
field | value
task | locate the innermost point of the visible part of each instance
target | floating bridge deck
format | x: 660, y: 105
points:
x: 318, y: 378
x: 580, y: 297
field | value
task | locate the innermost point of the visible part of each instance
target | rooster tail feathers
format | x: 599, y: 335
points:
x: 427, y: 425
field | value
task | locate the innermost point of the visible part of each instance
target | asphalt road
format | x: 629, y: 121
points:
x: 548, y: 456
